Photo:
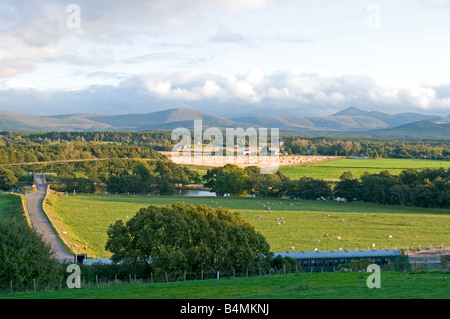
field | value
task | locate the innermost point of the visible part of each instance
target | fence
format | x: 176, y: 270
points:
x: 92, y: 280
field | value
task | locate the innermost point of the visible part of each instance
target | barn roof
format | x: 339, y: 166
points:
x: 340, y: 254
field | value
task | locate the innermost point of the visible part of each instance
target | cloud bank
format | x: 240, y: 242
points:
x: 296, y: 92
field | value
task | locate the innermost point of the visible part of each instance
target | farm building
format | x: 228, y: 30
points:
x: 330, y: 260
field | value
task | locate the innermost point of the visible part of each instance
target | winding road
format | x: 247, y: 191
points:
x: 41, y: 223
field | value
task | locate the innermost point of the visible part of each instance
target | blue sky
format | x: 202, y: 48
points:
x: 232, y: 57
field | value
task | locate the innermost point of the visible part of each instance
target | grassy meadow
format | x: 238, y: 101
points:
x: 85, y: 219
x: 334, y: 169
x: 10, y: 205
x: 338, y: 285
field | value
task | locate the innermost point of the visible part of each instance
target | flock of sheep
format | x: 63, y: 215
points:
x: 280, y: 221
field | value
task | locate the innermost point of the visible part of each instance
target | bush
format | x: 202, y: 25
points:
x: 177, y: 238
x: 25, y: 257
x: 356, y: 264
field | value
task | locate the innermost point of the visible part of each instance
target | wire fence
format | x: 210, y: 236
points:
x: 94, y: 280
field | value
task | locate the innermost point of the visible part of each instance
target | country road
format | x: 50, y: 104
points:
x: 40, y: 222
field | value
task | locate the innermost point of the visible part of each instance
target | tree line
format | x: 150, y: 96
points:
x: 423, y: 188
x: 373, y: 147
x: 72, y: 151
x: 161, y: 141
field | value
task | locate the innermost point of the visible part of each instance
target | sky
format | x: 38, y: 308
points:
x: 225, y: 57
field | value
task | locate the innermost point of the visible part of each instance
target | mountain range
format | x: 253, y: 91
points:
x: 350, y: 120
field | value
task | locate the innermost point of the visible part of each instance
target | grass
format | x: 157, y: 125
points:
x: 86, y: 218
x: 334, y: 169
x: 340, y: 285
x: 10, y: 206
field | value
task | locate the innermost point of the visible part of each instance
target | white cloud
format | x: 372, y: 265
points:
x: 291, y: 88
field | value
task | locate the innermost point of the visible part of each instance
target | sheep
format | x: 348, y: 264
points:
x: 390, y: 236
x: 325, y: 235
x: 292, y: 248
x: 340, y: 249
x: 363, y: 215
x: 373, y: 245
x: 277, y: 218
x: 315, y: 249
x: 278, y: 224
x: 64, y: 232
x: 281, y: 217
x: 338, y: 237
x: 258, y: 217
x: 327, y: 215
x: 249, y: 211
x: 283, y: 222
x: 341, y: 220
x: 317, y: 240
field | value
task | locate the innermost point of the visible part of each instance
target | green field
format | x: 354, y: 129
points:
x: 10, y: 205
x: 334, y: 169
x: 338, y: 285
x: 86, y: 218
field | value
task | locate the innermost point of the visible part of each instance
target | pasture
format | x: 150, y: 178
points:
x: 334, y: 169
x: 336, y: 285
x: 85, y: 219
x: 10, y: 206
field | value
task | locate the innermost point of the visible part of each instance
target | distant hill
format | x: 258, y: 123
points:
x: 349, y: 121
x: 392, y: 120
x: 420, y: 129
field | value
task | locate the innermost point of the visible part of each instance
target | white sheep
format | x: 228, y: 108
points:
x: 390, y: 236
x: 339, y: 238
x: 315, y: 249
x: 325, y: 235
x: 373, y: 245
x: 278, y: 224
x: 341, y: 220
x: 292, y: 248
x: 317, y: 240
